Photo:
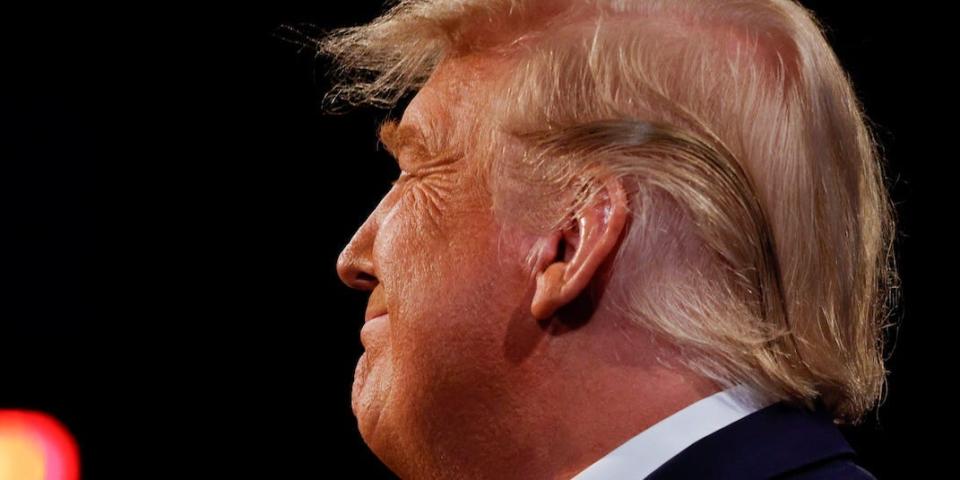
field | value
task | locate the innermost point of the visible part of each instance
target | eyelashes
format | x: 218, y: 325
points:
x: 424, y: 168
x: 402, y: 180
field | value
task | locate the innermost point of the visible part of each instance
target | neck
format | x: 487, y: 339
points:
x: 613, y: 385
x: 628, y: 391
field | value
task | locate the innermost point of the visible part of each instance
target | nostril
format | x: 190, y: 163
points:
x: 366, y: 277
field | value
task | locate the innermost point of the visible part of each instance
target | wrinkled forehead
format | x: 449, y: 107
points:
x: 458, y: 106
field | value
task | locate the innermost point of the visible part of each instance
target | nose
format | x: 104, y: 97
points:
x: 355, y: 263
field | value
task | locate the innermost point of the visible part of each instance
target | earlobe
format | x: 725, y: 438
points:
x: 547, y: 294
x: 587, y: 244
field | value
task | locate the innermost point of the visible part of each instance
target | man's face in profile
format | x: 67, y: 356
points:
x: 608, y: 212
x: 445, y: 283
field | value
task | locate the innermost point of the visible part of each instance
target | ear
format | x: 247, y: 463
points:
x: 570, y: 258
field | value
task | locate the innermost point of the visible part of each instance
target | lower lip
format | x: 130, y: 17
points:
x: 371, y: 326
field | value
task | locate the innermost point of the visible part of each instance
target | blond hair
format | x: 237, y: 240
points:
x: 762, y: 232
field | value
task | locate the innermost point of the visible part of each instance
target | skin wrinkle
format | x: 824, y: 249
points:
x: 424, y: 172
x: 427, y: 195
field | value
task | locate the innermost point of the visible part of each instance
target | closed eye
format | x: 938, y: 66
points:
x: 402, y: 178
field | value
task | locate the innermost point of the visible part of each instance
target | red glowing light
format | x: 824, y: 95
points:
x: 35, y: 446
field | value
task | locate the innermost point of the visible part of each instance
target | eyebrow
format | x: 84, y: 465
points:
x: 396, y: 137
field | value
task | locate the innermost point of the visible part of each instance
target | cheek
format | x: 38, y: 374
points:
x: 443, y: 285
x: 456, y: 300
x: 436, y: 253
x: 451, y: 283
x: 442, y: 280
x: 468, y: 336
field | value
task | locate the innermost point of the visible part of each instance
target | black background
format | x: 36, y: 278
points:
x: 174, y: 201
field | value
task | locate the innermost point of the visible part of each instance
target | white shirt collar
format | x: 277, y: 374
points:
x: 651, y: 448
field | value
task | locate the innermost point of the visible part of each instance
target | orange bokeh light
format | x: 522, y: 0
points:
x: 35, y: 446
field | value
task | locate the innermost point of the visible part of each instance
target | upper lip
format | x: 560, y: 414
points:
x: 376, y: 305
x: 371, y: 314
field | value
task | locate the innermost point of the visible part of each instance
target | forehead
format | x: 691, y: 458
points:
x: 455, y: 98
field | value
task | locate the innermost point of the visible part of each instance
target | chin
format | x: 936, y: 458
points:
x: 367, y: 399
x: 377, y: 437
x: 368, y: 424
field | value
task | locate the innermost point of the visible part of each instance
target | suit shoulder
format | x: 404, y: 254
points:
x: 843, y: 468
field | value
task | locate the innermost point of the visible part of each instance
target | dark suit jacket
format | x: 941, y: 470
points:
x: 779, y: 441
